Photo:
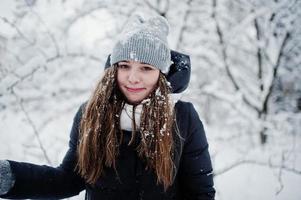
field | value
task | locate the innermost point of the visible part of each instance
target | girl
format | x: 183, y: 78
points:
x: 131, y: 139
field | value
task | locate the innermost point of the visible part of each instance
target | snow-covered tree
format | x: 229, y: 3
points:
x: 245, y: 80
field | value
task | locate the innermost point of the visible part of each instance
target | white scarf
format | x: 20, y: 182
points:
x: 127, y: 114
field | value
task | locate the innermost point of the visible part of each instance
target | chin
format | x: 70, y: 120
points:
x: 133, y: 101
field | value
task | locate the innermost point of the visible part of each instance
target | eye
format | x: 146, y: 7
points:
x: 147, y: 68
x: 123, y: 66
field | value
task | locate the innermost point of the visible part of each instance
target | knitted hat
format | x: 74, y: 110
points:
x: 144, y: 40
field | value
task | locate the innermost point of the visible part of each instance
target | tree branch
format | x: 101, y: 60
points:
x: 31, y: 123
x: 275, y: 73
x: 183, y: 27
x: 157, y: 9
x: 83, y: 13
x: 225, y: 57
x: 50, y: 35
x: 255, y: 162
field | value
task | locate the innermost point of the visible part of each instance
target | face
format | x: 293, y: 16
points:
x: 136, y: 80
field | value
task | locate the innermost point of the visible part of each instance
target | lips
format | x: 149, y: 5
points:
x: 135, y: 90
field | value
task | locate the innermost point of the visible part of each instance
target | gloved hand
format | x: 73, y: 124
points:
x: 7, y: 179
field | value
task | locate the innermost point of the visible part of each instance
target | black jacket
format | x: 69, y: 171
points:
x: 194, y: 179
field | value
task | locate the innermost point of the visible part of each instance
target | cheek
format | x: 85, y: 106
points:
x: 153, y: 80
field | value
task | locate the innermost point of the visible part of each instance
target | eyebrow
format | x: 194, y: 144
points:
x: 126, y: 61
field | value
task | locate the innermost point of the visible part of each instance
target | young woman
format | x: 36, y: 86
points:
x: 131, y: 139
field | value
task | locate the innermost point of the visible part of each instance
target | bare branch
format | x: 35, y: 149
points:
x: 259, y: 55
x: 17, y: 58
x: 184, y: 22
x: 22, y: 78
x: 74, y: 55
x: 232, y: 104
x: 255, y: 162
x: 82, y: 14
x: 157, y: 9
x: 275, y: 72
x: 31, y: 123
x: 225, y: 57
x: 49, y: 33
x: 22, y: 35
x: 17, y: 29
x: 280, y: 174
x: 49, y: 60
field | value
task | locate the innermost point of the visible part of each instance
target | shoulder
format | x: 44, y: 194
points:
x: 79, y: 113
x: 186, y: 116
x: 81, y: 109
x: 83, y: 106
x: 190, y: 126
x: 184, y: 108
x: 183, y: 105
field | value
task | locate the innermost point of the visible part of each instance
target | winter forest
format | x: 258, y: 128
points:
x: 245, y: 81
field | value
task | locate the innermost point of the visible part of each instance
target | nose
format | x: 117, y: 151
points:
x: 133, y: 77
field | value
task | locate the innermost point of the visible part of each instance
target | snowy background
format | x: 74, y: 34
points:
x: 245, y: 84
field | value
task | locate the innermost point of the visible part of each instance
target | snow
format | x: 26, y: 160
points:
x: 53, y: 53
x: 257, y: 182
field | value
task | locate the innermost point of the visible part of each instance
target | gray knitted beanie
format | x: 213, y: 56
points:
x: 144, y: 40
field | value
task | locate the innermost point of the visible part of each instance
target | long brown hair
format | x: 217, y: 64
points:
x: 101, y: 134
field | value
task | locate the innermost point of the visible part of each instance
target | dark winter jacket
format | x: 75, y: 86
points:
x: 194, y: 178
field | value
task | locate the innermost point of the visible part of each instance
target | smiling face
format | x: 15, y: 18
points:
x: 136, y: 80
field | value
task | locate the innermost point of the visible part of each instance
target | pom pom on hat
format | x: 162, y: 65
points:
x: 144, y: 40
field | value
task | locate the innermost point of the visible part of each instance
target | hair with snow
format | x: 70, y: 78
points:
x: 101, y: 134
